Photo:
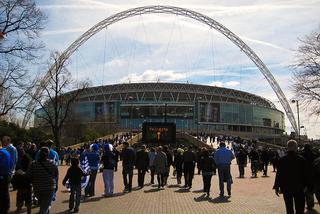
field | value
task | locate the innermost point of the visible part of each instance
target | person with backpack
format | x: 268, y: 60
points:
x: 108, y: 170
x: 43, y: 174
x: 6, y: 164
x: 74, y: 176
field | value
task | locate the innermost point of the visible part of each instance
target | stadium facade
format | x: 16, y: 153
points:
x: 193, y: 108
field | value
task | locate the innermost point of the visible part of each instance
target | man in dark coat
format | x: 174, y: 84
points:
x: 189, y: 160
x: 291, y: 179
x: 142, y: 163
x: 128, y: 161
x: 309, y: 156
x: 265, y: 159
x: 316, y: 178
x: 241, y: 161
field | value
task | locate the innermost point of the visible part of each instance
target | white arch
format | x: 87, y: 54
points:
x: 177, y: 11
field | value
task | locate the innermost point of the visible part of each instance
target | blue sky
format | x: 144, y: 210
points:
x: 176, y: 49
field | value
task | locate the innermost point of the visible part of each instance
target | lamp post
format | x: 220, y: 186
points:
x: 297, y: 103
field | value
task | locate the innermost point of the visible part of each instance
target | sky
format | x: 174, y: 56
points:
x: 171, y: 48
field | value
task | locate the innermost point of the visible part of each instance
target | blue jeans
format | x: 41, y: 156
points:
x: 224, y: 175
x: 108, y: 181
x: 89, y: 190
x: 45, y: 199
x: 75, y: 194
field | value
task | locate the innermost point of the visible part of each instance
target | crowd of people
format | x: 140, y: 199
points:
x: 33, y: 170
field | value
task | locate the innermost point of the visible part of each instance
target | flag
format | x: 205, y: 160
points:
x: 84, y: 165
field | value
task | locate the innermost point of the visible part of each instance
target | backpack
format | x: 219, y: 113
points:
x: 5, y: 163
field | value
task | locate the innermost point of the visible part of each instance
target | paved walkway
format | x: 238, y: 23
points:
x: 249, y: 196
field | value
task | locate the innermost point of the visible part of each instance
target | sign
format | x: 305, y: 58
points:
x: 159, y: 133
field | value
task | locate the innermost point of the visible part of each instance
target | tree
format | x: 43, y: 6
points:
x: 57, y: 97
x: 17, y: 133
x: 306, y: 85
x: 20, y: 24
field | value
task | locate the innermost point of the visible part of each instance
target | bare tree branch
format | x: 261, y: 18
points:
x: 58, y: 96
x: 20, y: 23
x: 306, y: 80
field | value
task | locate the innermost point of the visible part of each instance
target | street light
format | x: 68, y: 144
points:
x: 297, y: 102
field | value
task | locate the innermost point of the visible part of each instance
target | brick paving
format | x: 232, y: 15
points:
x: 249, y: 195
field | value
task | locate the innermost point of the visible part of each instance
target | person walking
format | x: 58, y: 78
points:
x: 309, y: 156
x: 169, y: 162
x: 92, y: 155
x: 316, y: 178
x: 74, y: 176
x: 43, y: 174
x: 291, y: 179
x: 128, y: 162
x: 189, y: 160
x: 160, y: 164
x: 6, y: 143
x: 108, y: 170
x: 152, y: 155
x: 142, y: 164
x: 6, y: 165
x: 265, y: 159
x: 255, y: 160
x: 223, y: 158
x: 178, y: 164
x: 208, y: 167
x: 241, y: 161
x: 22, y: 183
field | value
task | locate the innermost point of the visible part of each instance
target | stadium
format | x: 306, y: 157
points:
x: 193, y: 108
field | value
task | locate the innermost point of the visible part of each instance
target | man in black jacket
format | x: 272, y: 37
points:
x: 291, y: 179
x: 189, y: 159
x: 142, y: 163
x: 309, y: 156
x: 128, y: 161
x: 241, y: 156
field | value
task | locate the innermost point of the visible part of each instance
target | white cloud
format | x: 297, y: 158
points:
x: 229, y: 84
x: 216, y: 83
x: 116, y: 63
x: 63, y: 31
x: 232, y: 83
x: 154, y: 75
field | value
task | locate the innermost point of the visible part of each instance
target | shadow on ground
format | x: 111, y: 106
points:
x: 153, y: 190
x: 198, y: 191
x: 182, y: 190
x: 201, y: 198
x: 220, y: 199
x: 173, y: 186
